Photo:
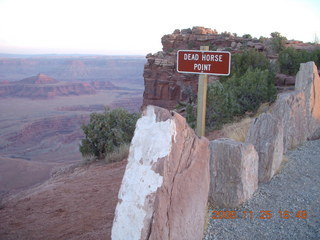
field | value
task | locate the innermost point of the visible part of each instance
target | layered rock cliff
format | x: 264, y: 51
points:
x: 165, y: 87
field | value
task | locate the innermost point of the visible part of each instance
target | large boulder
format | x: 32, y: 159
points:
x: 308, y: 81
x: 266, y: 134
x: 290, y: 109
x: 234, y: 172
x: 165, y: 187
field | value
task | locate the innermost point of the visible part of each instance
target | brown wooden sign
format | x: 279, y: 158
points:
x: 204, y: 62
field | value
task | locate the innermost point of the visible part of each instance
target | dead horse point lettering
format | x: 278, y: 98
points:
x: 205, y: 57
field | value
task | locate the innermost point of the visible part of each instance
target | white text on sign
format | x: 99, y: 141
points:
x: 205, y: 57
x: 202, y: 67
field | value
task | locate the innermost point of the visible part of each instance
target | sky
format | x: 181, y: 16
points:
x: 135, y: 27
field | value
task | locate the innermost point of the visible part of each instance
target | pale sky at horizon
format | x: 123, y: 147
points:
x: 136, y: 27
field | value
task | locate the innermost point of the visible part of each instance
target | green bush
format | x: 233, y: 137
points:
x: 247, y: 36
x: 290, y: 59
x: 238, y: 95
x: 277, y: 41
x: 251, y: 89
x: 316, y: 56
x: 106, y: 132
x: 221, y: 105
x: 241, y: 62
x: 191, y: 113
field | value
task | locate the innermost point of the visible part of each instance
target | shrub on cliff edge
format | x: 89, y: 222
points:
x: 237, y: 95
x: 107, y: 132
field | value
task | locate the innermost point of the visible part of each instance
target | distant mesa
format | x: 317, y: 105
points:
x: 41, y: 78
x: 5, y: 82
x: 43, y: 86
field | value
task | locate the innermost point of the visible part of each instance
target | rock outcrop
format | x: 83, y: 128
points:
x: 165, y: 87
x: 266, y: 134
x: 308, y: 81
x: 234, y: 172
x: 165, y: 186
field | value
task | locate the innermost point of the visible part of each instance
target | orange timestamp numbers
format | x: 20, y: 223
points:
x: 263, y: 214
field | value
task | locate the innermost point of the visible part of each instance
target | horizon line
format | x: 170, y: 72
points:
x: 4, y: 54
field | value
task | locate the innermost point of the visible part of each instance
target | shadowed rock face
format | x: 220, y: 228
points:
x: 308, y: 81
x: 266, y: 134
x: 165, y: 187
x: 290, y: 109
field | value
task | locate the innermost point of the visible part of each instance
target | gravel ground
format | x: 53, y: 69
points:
x: 296, y: 188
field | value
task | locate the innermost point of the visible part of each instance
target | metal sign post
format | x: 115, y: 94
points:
x: 203, y: 62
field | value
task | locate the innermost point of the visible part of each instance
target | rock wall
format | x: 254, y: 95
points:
x: 165, y: 187
x: 166, y: 184
x: 291, y: 120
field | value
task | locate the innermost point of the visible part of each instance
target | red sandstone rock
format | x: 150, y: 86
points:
x: 165, y: 187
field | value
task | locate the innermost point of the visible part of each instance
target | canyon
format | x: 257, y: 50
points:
x: 39, y: 136
x: 44, y: 101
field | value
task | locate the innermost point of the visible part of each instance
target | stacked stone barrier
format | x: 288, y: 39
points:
x: 171, y: 173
